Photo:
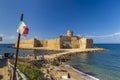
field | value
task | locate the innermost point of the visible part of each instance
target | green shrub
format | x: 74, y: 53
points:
x: 32, y: 72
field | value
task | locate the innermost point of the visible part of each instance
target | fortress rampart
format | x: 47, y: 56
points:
x: 68, y: 41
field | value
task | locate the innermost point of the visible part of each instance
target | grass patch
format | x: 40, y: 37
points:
x: 31, y: 72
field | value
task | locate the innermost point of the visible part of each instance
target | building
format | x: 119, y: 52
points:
x: 0, y: 38
x: 68, y: 41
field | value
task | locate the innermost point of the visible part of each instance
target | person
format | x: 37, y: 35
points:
x: 43, y: 57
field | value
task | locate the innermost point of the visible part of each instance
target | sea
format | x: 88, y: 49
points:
x: 102, y: 65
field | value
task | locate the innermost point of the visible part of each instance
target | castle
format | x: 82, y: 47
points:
x: 68, y: 41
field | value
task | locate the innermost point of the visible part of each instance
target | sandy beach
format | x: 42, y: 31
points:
x: 74, y: 75
x: 57, y: 73
x: 79, y: 74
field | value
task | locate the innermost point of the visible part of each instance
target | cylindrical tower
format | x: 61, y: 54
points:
x: 70, y: 33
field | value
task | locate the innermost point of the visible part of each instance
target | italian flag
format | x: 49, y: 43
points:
x: 22, y: 29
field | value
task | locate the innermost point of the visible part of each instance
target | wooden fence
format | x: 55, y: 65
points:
x: 19, y: 74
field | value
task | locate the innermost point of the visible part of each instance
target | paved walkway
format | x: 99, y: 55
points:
x: 3, y: 70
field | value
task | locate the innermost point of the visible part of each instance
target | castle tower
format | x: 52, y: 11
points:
x: 70, y: 33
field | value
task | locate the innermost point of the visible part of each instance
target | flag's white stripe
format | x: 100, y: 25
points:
x: 21, y: 29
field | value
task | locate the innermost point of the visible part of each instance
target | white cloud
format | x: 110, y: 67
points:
x: 11, y: 38
x: 1, y: 35
x: 104, y: 36
x: 110, y: 38
x: 8, y: 39
x: 117, y: 34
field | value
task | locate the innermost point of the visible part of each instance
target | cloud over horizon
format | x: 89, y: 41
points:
x: 12, y: 38
x: 110, y: 38
x: 8, y: 39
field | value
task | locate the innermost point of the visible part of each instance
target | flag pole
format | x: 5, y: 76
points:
x: 17, y: 50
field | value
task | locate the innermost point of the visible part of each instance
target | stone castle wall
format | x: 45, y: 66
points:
x: 63, y: 42
x: 59, y: 43
x: 85, y: 43
x: 27, y: 43
x: 54, y: 43
x: 74, y: 42
x: 89, y: 43
x: 42, y: 43
x: 69, y: 42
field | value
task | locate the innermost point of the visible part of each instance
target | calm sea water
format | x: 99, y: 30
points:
x: 4, y: 49
x: 103, y: 65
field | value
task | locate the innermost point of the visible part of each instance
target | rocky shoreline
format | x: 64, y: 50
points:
x: 53, y: 66
x: 56, y: 71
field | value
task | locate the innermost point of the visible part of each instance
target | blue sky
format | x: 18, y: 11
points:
x: 46, y: 19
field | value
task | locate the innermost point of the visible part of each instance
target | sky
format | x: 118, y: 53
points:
x: 47, y: 19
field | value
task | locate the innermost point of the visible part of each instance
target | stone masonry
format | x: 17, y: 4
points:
x: 68, y: 41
